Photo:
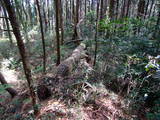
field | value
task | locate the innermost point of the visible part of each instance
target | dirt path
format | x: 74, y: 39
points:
x: 10, y: 75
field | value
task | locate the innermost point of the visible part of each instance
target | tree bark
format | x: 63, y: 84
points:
x: 146, y: 9
x: 128, y: 6
x: 93, y: 5
x: 75, y: 34
x: 8, y: 30
x: 48, y: 4
x: 111, y: 9
x: 61, y: 21
x: 105, y: 7
x: 141, y: 6
x: 96, y: 35
x: 67, y: 13
x: 42, y: 34
x: 30, y: 13
x: 85, y: 7
x: 157, y: 31
x: 11, y: 91
x: 123, y: 9
x: 44, y: 15
x: 16, y: 31
x: 70, y: 11
x: 101, y: 10
x: 57, y: 7
x: 73, y: 12
x: 20, y: 11
x: 117, y: 7
x: 150, y: 11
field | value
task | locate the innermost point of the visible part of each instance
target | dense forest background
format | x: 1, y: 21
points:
x: 80, y: 59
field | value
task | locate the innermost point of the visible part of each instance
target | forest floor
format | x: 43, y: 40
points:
x: 106, y: 106
x: 97, y: 103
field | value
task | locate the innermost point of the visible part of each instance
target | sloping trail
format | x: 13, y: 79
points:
x: 97, y: 102
x: 10, y: 75
x: 108, y: 106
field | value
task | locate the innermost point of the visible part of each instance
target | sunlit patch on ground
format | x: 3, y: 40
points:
x: 10, y: 75
x: 105, y: 108
x: 55, y: 109
x: 108, y: 106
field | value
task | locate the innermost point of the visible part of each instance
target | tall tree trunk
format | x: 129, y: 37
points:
x: 146, y: 9
x: 57, y: 7
x: 89, y: 6
x: 101, y: 10
x: 42, y: 34
x: 141, y: 6
x: 111, y: 9
x: 30, y: 14
x: 61, y: 21
x: 49, y: 24
x: 77, y: 10
x: 26, y: 15
x: 117, y: 7
x: 27, y: 71
x: 105, y: 7
x: 93, y: 5
x: 128, y: 6
x: 20, y: 11
x: 8, y: 30
x: 3, y: 24
x: 140, y: 14
x: 154, y: 10
x: 123, y: 9
x: 75, y: 34
x: 67, y: 13
x: 0, y: 21
x: 85, y: 7
x: 96, y: 34
x: 73, y: 12
x: 157, y: 31
x: 150, y: 11
x: 11, y: 91
x: 44, y: 15
x: 35, y: 14
x: 70, y: 11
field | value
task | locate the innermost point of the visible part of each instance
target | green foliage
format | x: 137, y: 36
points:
x: 5, y: 50
x: 4, y: 87
x: 127, y: 27
x: 154, y: 116
x: 38, y: 69
x: 88, y: 26
x: 68, y: 30
x: 124, y: 47
x: 14, y: 63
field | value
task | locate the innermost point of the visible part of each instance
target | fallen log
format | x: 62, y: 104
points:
x: 63, y: 72
x: 65, y: 68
